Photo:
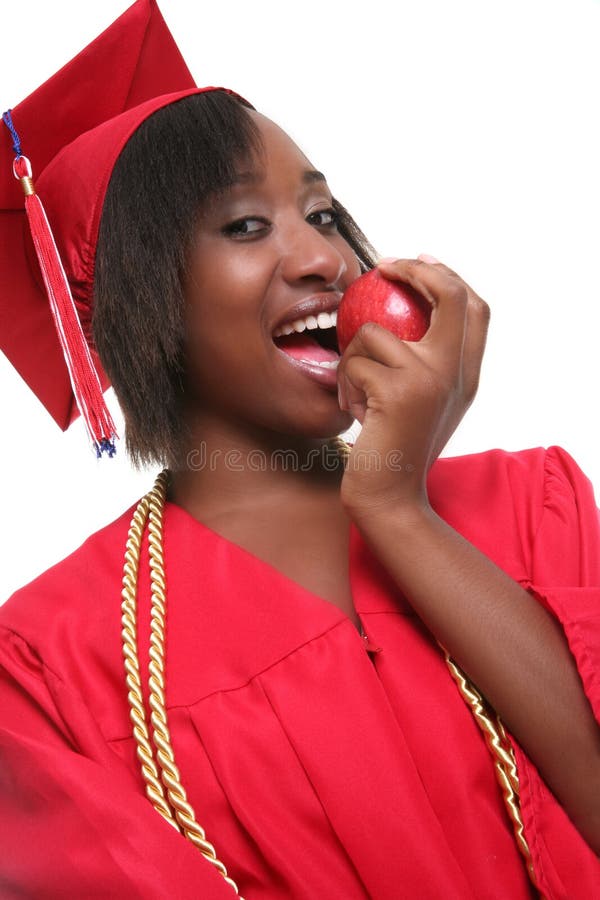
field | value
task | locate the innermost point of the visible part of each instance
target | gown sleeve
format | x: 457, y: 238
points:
x: 566, y: 564
x: 565, y: 578
x: 73, y: 820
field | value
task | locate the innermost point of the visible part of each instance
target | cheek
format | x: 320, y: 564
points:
x: 222, y: 339
x: 211, y: 296
x: 226, y: 284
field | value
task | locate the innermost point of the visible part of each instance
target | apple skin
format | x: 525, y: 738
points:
x: 393, y: 304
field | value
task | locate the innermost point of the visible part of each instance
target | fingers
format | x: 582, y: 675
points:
x: 366, y: 384
x: 448, y: 297
x: 478, y: 320
x: 460, y: 318
x: 356, y: 384
x: 375, y: 344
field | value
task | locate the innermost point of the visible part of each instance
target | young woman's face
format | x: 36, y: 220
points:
x: 266, y: 252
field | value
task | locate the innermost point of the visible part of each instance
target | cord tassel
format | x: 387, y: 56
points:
x: 82, y: 372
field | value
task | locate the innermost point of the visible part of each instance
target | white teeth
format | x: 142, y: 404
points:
x: 323, y: 320
x: 327, y: 320
x: 323, y: 365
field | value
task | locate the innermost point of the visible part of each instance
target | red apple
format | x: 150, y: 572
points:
x: 393, y: 304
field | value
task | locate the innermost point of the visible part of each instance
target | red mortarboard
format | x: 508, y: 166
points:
x: 73, y: 129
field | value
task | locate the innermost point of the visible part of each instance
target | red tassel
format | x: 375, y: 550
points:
x: 82, y: 372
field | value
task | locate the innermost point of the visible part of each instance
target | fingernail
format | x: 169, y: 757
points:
x: 427, y: 258
x: 387, y: 259
x: 340, y: 400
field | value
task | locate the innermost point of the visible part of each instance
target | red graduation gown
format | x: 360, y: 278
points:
x: 318, y: 769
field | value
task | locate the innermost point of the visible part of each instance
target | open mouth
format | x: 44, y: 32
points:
x: 312, y: 340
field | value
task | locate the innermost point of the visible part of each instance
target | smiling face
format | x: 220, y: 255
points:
x: 266, y: 253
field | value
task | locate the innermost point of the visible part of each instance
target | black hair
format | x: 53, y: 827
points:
x: 175, y: 161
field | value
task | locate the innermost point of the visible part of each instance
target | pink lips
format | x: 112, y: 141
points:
x: 325, y: 377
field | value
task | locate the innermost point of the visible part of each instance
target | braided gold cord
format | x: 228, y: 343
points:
x: 343, y: 448
x: 150, y: 511
x: 161, y: 736
x: 154, y: 788
x: 502, y: 753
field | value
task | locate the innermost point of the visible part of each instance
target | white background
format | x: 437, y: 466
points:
x: 460, y: 128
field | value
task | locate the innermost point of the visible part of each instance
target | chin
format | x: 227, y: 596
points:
x: 328, y: 427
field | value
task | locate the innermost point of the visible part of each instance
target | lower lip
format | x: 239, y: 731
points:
x: 325, y: 377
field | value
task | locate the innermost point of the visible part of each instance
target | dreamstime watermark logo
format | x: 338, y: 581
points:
x: 327, y: 458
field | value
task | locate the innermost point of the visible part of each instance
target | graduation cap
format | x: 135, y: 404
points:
x: 70, y: 132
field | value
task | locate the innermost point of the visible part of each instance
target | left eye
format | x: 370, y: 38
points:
x: 248, y: 226
x: 323, y: 218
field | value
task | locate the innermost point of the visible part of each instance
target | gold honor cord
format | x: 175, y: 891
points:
x: 503, y: 755
x: 174, y: 807
x: 179, y: 814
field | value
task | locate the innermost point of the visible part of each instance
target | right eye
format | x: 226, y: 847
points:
x: 247, y: 227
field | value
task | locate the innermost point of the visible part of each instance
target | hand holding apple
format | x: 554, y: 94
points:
x: 392, y: 304
x: 408, y: 394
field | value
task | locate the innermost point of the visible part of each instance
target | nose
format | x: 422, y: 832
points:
x: 307, y: 254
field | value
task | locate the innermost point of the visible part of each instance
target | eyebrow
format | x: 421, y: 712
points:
x: 309, y: 176
x: 312, y: 175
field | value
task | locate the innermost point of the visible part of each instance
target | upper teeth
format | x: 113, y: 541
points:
x: 309, y: 323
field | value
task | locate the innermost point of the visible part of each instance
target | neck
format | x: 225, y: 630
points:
x: 227, y: 470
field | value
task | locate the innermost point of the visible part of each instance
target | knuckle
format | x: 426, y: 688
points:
x: 442, y: 267
x: 471, y: 381
x: 481, y: 308
x: 457, y: 292
x: 415, y: 265
x: 471, y: 389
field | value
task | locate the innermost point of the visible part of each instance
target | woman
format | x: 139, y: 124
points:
x: 310, y: 713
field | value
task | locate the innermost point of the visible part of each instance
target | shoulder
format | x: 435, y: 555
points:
x: 496, y: 476
x: 506, y: 477
x: 503, y: 500
x: 85, y: 585
x: 60, y: 636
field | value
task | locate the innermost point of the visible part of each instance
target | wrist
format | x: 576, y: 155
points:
x: 400, y: 513
x: 377, y: 486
